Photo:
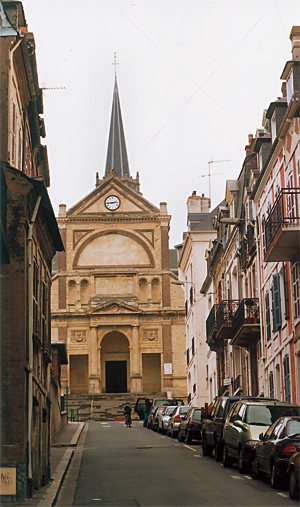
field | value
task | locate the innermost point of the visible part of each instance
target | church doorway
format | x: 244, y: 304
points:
x: 116, y: 376
x: 115, y: 363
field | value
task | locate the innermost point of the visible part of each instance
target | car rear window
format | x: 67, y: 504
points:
x: 293, y: 428
x: 196, y: 415
x: 184, y: 410
x: 169, y: 410
x: 267, y: 415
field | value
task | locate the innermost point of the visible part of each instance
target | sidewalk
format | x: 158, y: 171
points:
x: 62, y: 449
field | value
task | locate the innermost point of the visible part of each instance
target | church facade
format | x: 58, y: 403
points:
x: 113, y: 302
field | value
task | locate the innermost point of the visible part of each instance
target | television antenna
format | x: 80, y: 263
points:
x: 213, y: 174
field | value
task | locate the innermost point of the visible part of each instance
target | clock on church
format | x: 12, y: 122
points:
x: 112, y: 202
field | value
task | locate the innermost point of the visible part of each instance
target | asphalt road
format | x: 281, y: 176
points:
x: 117, y: 466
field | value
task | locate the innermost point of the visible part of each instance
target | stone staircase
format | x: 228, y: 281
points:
x: 104, y: 407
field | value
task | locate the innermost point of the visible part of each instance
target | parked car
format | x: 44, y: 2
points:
x: 244, y: 423
x: 163, y: 419
x: 294, y: 476
x: 212, y: 426
x: 155, y: 418
x: 175, y: 419
x: 190, y: 426
x: 150, y: 417
x: 271, y: 455
x: 140, y: 404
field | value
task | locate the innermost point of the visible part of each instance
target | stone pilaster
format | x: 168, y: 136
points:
x: 94, y: 374
x: 135, y: 367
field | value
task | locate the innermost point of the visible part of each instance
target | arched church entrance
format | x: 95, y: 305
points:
x: 115, y: 363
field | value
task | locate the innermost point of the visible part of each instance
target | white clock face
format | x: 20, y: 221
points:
x: 112, y: 202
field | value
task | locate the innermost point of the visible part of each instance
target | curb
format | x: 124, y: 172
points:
x: 52, y: 492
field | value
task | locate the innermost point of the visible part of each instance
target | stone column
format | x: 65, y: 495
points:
x: 94, y: 375
x: 136, y: 378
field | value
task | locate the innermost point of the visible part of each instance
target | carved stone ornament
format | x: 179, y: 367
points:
x: 78, y: 336
x: 150, y: 335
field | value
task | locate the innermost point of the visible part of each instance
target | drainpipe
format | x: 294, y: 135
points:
x: 30, y: 331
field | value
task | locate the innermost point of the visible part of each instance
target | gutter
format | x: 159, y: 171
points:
x: 30, y: 331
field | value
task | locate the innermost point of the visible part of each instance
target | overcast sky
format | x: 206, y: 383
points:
x: 194, y: 77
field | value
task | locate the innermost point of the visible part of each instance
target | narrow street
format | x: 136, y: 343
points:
x: 118, y: 466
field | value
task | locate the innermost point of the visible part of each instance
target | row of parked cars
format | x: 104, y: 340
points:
x: 261, y: 435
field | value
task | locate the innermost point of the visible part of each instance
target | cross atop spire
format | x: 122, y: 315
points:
x: 116, y: 153
x: 115, y: 63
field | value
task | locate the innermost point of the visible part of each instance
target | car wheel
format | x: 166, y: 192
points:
x: 241, y: 463
x: 188, y: 438
x: 226, y: 459
x: 163, y: 431
x: 254, y: 470
x: 206, y: 449
x: 218, y: 452
x: 172, y: 433
x: 179, y: 437
x: 274, y: 478
x: 158, y: 430
x: 293, y: 487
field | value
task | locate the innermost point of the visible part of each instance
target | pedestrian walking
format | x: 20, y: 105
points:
x: 147, y: 407
x: 127, y: 412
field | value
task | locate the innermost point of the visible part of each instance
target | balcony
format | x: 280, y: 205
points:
x: 246, y: 323
x: 282, y: 227
x: 219, y: 323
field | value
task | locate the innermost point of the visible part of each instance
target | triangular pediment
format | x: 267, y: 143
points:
x: 125, y: 201
x: 114, y: 307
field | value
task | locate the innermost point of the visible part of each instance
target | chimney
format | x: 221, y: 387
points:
x: 62, y: 212
x: 163, y: 208
x: 283, y: 89
x: 197, y: 204
x: 295, y: 39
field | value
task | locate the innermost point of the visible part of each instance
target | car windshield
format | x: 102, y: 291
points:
x: 293, y: 427
x: 263, y: 415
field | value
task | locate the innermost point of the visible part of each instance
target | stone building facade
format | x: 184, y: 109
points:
x: 29, y: 240
x: 112, y: 298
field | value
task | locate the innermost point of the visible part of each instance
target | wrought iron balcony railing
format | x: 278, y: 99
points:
x: 284, y: 211
x: 247, y: 313
x: 219, y: 317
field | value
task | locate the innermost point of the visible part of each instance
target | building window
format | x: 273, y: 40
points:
x: 286, y: 375
x: 271, y: 384
x: 187, y: 356
x: 263, y: 234
x: 295, y: 278
x: 194, y: 388
x: 268, y: 316
x: 191, y: 295
x: 35, y: 297
x: 193, y: 346
x: 44, y: 315
x: 286, y: 293
x: 13, y: 133
x: 276, y: 303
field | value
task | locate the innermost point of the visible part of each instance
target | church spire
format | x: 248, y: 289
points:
x: 116, y: 153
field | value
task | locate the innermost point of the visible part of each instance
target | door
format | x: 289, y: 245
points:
x: 116, y: 376
x: 79, y: 374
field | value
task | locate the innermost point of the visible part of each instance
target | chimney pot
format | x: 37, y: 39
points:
x: 295, y: 39
x: 62, y: 210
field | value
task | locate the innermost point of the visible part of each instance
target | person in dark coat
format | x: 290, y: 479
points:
x: 127, y: 412
x: 148, y: 405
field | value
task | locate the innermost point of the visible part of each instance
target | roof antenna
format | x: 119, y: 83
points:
x: 115, y: 63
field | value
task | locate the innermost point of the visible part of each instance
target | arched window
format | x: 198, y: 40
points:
x: 84, y: 292
x: 143, y: 290
x: 72, y: 292
x: 155, y: 290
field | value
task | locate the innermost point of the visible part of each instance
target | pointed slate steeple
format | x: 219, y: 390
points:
x: 116, y: 153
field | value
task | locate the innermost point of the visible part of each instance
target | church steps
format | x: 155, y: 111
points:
x: 105, y: 407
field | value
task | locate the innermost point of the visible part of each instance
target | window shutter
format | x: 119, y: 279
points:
x: 268, y: 316
x: 271, y: 384
x: 286, y: 374
x: 286, y: 297
x: 263, y: 233
x: 277, y: 302
x: 273, y: 309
